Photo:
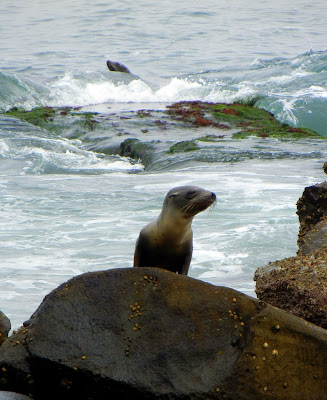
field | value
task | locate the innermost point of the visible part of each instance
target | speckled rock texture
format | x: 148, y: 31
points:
x: 297, y: 285
x: 315, y: 239
x: 146, y: 333
x: 5, y: 327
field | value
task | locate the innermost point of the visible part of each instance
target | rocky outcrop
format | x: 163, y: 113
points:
x: 137, y: 150
x: 15, y: 373
x: 315, y: 239
x: 299, y: 284
x: 5, y: 327
x: 146, y: 333
x: 311, y: 209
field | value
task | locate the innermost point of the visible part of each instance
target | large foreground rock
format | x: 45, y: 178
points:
x: 145, y: 333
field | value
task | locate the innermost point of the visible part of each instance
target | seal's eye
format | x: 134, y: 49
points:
x: 172, y: 195
x: 190, y: 194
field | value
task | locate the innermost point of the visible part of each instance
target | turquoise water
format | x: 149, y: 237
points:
x: 66, y: 210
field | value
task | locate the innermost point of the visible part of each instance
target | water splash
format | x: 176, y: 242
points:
x: 290, y: 88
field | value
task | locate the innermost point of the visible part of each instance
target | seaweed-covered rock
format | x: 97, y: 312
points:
x: 186, y: 145
x: 146, y: 333
x: 137, y: 150
x: 245, y: 118
x: 297, y: 285
x: 5, y: 327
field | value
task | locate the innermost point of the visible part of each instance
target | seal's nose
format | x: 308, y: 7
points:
x: 213, y: 195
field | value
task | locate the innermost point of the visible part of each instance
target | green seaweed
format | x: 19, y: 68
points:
x: 57, y: 119
x: 184, y: 146
x: 40, y: 116
x: 244, y: 117
x: 210, y: 138
x: 254, y: 121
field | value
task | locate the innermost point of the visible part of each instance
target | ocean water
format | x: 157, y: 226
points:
x: 66, y: 209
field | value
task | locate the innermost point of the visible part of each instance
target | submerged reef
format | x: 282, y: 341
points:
x: 185, y: 130
x: 245, y: 118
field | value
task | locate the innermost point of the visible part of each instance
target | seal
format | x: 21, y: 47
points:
x: 117, y: 67
x: 167, y: 242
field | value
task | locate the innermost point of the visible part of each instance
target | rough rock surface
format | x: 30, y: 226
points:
x: 5, y: 327
x: 315, y: 239
x: 311, y: 209
x: 297, y: 285
x: 146, y: 333
x: 15, y: 374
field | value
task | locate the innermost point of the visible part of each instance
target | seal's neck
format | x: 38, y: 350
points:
x: 175, y: 226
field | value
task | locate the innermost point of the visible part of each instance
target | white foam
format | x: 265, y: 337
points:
x: 60, y: 154
x: 313, y: 92
x: 284, y: 79
x: 79, y: 161
x: 76, y: 92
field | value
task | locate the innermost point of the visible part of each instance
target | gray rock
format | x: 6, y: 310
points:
x: 146, y: 333
x: 297, y: 285
x: 311, y: 208
x: 15, y: 372
x: 5, y: 327
x: 315, y: 239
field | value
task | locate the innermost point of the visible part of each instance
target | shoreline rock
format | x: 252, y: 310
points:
x: 299, y: 284
x: 5, y: 327
x: 311, y: 209
x: 146, y: 333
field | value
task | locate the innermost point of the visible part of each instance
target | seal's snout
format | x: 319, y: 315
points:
x: 213, y: 196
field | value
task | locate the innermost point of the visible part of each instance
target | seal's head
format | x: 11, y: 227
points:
x: 117, y: 67
x: 188, y: 201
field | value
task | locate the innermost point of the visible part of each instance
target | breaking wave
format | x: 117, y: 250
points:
x: 294, y: 89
